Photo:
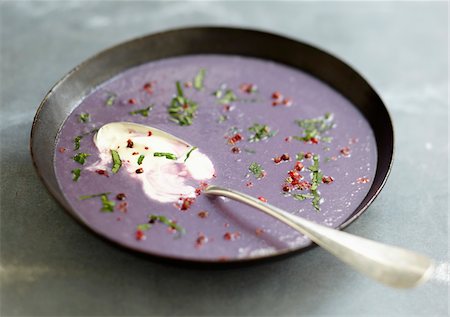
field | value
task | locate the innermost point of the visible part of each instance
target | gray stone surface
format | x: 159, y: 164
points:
x: 51, y: 266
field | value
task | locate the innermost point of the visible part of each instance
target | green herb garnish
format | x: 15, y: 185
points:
x: 117, y: 162
x: 168, y: 156
x: 84, y: 117
x: 316, y: 179
x: 167, y: 222
x: 189, y: 153
x: 181, y: 109
x: 81, y: 158
x: 260, y: 132
x: 107, y: 205
x: 143, y: 112
x: 222, y: 118
x: 76, y: 142
x: 143, y: 226
x: 228, y: 97
x: 300, y: 156
x: 314, y: 128
x: 111, y: 99
x: 199, y: 78
x: 140, y: 159
x: 76, y: 174
x: 257, y: 170
x: 303, y: 196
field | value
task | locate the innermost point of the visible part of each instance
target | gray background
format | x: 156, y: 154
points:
x: 51, y: 266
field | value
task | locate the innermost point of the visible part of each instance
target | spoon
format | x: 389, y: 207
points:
x: 386, y: 264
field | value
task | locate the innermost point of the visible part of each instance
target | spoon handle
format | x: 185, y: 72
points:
x: 389, y: 265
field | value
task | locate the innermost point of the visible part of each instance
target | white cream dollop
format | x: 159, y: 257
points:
x: 162, y: 179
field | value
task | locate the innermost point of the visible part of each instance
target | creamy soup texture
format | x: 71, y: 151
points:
x: 257, y: 126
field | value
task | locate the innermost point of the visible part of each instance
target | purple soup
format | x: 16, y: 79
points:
x: 271, y: 131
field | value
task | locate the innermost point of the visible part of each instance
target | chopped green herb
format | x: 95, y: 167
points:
x: 181, y: 109
x: 167, y: 222
x: 76, y: 174
x: 144, y: 226
x: 228, y: 97
x: 108, y: 205
x: 303, y: 196
x: 222, y: 118
x: 76, y: 142
x: 249, y: 151
x: 84, y: 197
x: 316, y: 179
x: 84, y: 117
x: 140, y: 159
x: 326, y: 139
x: 198, y: 80
x: 117, y: 162
x: 300, y: 156
x: 315, y: 128
x: 81, y: 158
x: 218, y: 93
x: 111, y: 99
x: 143, y: 112
x: 260, y: 132
x: 257, y: 170
x: 189, y: 153
x: 316, y: 199
x: 168, y: 156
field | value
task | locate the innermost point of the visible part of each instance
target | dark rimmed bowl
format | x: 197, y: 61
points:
x: 66, y: 95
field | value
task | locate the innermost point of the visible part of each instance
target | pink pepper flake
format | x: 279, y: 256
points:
x: 277, y: 95
x: 235, y: 150
x: 264, y: 200
x: 235, y: 138
x: 304, y: 185
x: 287, y: 102
x: 102, y: 172
x: 277, y: 160
x: 248, y: 88
x: 249, y: 184
x: 299, y: 166
x: 62, y: 149
x: 327, y: 179
x: 231, y: 236
x: 148, y: 87
x: 308, y: 155
x: 149, y: 133
x: 188, y: 84
x: 201, y: 240
x: 259, y: 231
x: 203, y: 214
x: 132, y: 101
x: 186, y: 203
x: 121, y: 196
x: 123, y: 207
x: 288, y: 139
x: 345, y: 151
x: 362, y: 180
x: 140, y: 235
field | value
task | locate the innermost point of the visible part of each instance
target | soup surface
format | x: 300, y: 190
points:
x: 268, y: 130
